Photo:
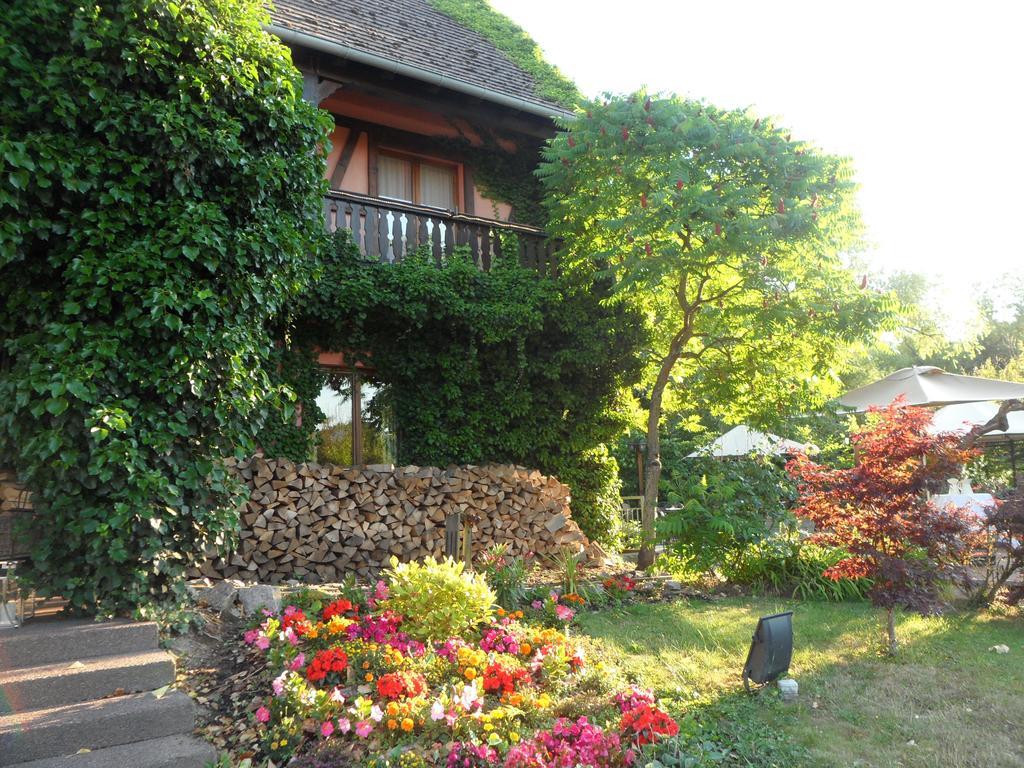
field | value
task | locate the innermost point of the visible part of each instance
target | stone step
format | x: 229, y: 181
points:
x: 166, y: 752
x: 54, y: 685
x: 53, y: 640
x: 94, y: 725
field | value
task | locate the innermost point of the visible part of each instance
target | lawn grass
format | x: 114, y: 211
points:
x: 944, y: 700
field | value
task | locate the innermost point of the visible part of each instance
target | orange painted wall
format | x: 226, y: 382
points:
x: 371, y: 109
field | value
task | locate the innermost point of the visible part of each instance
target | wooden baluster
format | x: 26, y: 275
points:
x: 434, y: 235
x: 473, y: 232
x: 372, y: 231
x: 330, y: 214
x: 358, y: 216
x: 422, y: 236
x: 485, y: 248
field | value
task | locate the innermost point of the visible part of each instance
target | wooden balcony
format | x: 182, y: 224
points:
x: 389, y: 229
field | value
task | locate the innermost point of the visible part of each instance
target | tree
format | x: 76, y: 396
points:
x: 159, y: 204
x: 728, y: 234
x: 879, y: 512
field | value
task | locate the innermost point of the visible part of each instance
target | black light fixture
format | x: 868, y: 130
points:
x: 771, y: 649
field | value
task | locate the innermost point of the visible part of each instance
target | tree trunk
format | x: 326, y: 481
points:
x: 890, y: 627
x: 645, y: 558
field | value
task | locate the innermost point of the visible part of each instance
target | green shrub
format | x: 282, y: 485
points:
x: 723, y: 508
x: 786, y: 564
x: 160, y: 203
x: 438, y: 599
x: 505, y: 574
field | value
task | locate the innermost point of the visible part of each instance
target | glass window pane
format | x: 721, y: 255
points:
x: 378, y: 425
x: 437, y: 185
x: 394, y: 178
x: 334, y: 445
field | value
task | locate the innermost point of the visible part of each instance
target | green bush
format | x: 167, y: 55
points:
x: 438, y: 599
x: 724, y: 507
x: 505, y: 574
x: 160, y: 201
x: 787, y: 564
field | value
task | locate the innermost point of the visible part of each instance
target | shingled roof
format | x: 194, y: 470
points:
x: 412, y: 33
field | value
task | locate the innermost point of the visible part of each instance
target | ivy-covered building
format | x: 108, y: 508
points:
x: 440, y: 109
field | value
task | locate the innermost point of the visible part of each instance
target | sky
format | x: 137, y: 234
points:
x: 926, y: 98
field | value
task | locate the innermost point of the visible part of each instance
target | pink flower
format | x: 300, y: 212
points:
x: 536, y: 605
x: 297, y: 662
x: 363, y: 729
x: 262, y: 642
x: 263, y: 715
x: 344, y: 725
x: 437, y: 711
x: 376, y: 713
x: 381, y: 591
x: 291, y: 637
x: 564, y: 613
x: 278, y: 684
x: 250, y: 636
x: 327, y: 729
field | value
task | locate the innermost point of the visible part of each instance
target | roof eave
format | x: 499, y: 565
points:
x: 303, y: 39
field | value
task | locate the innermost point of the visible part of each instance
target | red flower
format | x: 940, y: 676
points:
x: 645, y: 723
x: 339, y: 607
x: 396, y: 685
x: 296, y: 621
x: 499, y: 678
x: 332, y: 661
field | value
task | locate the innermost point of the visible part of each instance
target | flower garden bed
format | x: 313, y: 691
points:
x: 423, y: 669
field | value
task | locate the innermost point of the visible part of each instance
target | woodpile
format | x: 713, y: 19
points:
x: 319, y: 522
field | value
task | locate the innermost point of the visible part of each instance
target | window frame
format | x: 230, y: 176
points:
x: 415, y: 161
x: 357, y: 377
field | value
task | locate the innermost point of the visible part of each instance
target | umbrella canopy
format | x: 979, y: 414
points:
x: 965, y: 416
x: 742, y: 440
x: 928, y: 385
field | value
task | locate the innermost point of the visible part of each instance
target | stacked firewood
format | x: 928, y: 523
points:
x: 320, y: 522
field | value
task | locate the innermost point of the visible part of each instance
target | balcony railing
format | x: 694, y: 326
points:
x: 389, y: 230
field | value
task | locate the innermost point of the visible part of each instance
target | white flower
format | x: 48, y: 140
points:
x: 376, y: 713
x: 437, y: 710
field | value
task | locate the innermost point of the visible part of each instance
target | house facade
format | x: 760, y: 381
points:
x: 436, y: 135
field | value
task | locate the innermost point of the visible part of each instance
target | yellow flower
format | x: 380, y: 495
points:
x: 393, y: 708
x: 488, y: 727
x: 513, y: 737
x: 408, y: 724
x: 470, y: 673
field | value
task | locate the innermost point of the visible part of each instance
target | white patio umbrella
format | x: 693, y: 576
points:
x: 928, y: 385
x: 742, y: 440
x: 965, y: 416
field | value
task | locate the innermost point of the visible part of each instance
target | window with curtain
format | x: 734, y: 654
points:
x: 413, y: 180
x: 357, y: 426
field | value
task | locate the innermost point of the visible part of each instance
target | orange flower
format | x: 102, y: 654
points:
x: 525, y: 649
x: 470, y: 673
x: 392, y: 724
x: 408, y: 724
x: 501, y: 611
x: 369, y: 677
x: 393, y: 708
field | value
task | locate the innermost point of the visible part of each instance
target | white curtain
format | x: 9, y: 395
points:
x: 437, y: 186
x: 394, y: 178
